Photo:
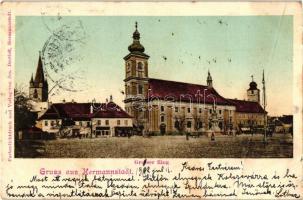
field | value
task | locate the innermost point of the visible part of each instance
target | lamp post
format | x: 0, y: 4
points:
x: 264, y: 107
x: 148, y: 113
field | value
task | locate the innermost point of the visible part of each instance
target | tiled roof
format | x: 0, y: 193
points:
x: 247, y: 106
x: 184, y: 92
x: 286, y: 119
x: 81, y: 111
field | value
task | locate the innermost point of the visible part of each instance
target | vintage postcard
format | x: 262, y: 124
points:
x: 151, y: 100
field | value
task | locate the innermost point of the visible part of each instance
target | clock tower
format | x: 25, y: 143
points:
x: 136, y: 80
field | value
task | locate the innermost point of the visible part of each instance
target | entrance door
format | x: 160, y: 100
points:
x: 162, y: 129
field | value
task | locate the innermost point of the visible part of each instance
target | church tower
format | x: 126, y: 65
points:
x: 136, y: 78
x: 38, y: 87
x: 209, y: 80
x: 253, y: 93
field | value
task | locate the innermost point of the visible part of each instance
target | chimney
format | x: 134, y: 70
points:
x: 111, y: 98
x: 63, y: 100
x: 73, y: 101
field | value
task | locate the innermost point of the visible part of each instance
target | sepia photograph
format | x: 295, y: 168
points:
x: 153, y: 86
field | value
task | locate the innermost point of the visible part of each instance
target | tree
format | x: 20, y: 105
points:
x: 180, y: 123
x: 24, y: 118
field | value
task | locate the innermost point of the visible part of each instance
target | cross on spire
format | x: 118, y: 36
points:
x: 136, y: 25
x: 252, y: 77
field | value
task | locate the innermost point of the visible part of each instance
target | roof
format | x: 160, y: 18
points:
x: 184, y: 92
x: 286, y: 119
x: 81, y: 111
x: 39, y: 78
x: 247, y: 106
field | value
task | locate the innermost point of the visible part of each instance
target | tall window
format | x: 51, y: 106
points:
x: 106, y: 122
x: 162, y: 118
x: 140, y: 66
x: 188, y: 124
x: 99, y: 122
x: 45, y: 123
x: 162, y: 108
x: 128, y: 69
x: 200, y: 110
x: 188, y: 110
x: 140, y: 89
x: 200, y: 124
x: 35, y: 93
x: 176, y: 109
x: 140, y: 69
x: 118, y: 122
x: 125, y: 122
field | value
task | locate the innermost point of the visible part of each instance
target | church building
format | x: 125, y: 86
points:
x: 167, y: 106
x: 38, y: 90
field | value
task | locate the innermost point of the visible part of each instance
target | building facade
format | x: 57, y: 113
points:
x: 86, y: 120
x: 169, y: 106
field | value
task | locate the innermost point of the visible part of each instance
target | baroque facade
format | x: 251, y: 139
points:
x: 169, y: 106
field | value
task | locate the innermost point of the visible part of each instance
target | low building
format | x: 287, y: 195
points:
x: 249, y: 115
x: 86, y: 119
x: 282, y: 124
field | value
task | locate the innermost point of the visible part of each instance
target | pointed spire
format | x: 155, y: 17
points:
x: 263, y: 80
x: 32, y: 79
x: 252, y: 78
x: 39, y: 78
x: 136, y: 34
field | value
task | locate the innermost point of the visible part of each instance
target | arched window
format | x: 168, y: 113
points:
x: 140, y: 66
x: 35, y: 93
x: 200, y: 125
x: 140, y: 69
x: 140, y: 89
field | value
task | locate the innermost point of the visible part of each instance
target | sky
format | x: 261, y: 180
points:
x: 232, y: 48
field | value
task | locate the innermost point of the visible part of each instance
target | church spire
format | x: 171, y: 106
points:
x: 209, y: 80
x: 39, y: 78
x: 38, y: 89
x: 32, y: 79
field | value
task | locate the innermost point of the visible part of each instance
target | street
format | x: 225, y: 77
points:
x: 241, y: 146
